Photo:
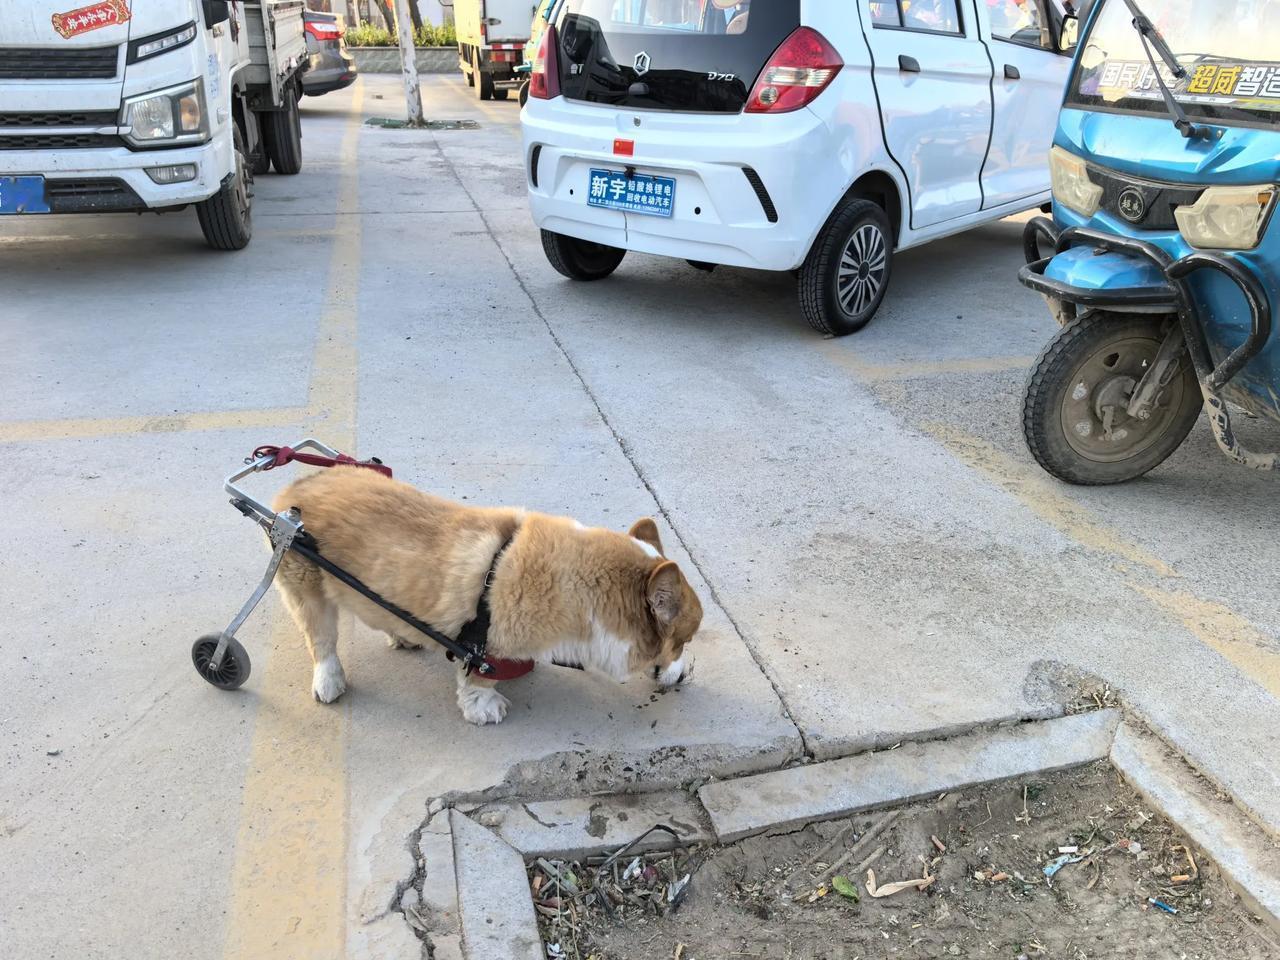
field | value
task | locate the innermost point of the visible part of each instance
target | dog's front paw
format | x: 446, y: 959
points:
x: 481, y: 705
x: 328, y: 681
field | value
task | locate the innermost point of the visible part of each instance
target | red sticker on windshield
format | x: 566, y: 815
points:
x: 107, y: 13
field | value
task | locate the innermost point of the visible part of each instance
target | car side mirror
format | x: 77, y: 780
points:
x: 1069, y: 33
x: 216, y: 12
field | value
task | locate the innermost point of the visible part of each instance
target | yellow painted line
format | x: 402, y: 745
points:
x: 917, y: 369
x: 289, y: 882
x: 1042, y: 497
x: 18, y: 431
x: 1223, y: 630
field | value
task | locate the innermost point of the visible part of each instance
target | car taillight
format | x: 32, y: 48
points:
x: 324, y: 31
x: 544, y: 81
x: 797, y: 72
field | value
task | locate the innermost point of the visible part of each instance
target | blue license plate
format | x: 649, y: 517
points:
x: 22, y: 195
x: 638, y: 193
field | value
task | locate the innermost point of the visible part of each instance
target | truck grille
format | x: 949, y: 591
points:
x: 59, y: 141
x: 96, y: 118
x: 44, y: 63
x: 99, y: 195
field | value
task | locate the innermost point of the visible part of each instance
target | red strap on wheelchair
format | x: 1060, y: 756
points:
x: 282, y: 455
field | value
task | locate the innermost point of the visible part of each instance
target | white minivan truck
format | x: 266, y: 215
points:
x: 815, y: 136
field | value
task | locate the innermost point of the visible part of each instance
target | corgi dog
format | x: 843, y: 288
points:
x: 557, y: 591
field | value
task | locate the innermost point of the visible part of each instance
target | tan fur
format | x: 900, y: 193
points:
x: 560, y: 590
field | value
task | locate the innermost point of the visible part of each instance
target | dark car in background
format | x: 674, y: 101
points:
x: 331, y: 65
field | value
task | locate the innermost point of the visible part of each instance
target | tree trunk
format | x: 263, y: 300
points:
x: 385, y: 9
x: 409, y: 66
x: 416, y: 15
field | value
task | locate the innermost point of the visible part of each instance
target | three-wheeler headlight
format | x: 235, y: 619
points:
x: 1227, y: 218
x: 1071, y: 183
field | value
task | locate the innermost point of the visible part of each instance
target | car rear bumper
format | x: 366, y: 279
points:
x: 116, y: 179
x: 751, y: 191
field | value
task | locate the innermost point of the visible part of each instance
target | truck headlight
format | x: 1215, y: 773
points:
x: 1227, y: 218
x: 173, y: 116
x: 1071, y: 183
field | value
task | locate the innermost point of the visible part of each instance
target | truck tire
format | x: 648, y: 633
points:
x: 500, y: 93
x: 282, y: 136
x: 1092, y: 364
x: 846, y: 274
x: 483, y: 81
x: 580, y: 259
x: 226, y: 218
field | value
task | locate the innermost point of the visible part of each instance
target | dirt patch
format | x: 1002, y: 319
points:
x: 986, y: 850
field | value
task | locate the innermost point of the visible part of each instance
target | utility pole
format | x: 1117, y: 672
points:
x: 409, y: 64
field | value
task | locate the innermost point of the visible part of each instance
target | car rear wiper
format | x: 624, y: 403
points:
x: 1151, y: 37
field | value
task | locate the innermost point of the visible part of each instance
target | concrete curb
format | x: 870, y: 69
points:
x: 1248, y: 858
x: 387, y: 59
x: 496, y: 909
x: 494, y: 905
x: 783, y: 799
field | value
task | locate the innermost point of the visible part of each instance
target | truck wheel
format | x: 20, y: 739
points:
x: 580, y: 259
x: 500, y: 93
x: 1073, y: 413
x: 483, y: 81
x: 226, y: 217
x: 845, y: 276
x: 282, y: 136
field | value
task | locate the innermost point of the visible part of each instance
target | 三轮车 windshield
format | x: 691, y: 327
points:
x: 1230, y: 50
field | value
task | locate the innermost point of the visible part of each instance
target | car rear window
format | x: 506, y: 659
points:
x: 694, y: 55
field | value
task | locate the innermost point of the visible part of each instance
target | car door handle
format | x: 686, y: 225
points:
x: 1011, y: 72
x: 908, y: 64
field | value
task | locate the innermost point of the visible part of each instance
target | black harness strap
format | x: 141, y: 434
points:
x: 474, y: 634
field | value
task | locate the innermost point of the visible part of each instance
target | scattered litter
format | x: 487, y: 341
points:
x: 1193, y: 871
x: 889, y: 889
x: 52, y: 753
x: 845, y: 887
x: 941, y: 847
x: 679, y: 951
x: 1057, y: 863
x: 555, y: 951
x: 817, y: 894
x: 1072, y: 849
x: 1161, y: 905
x: 674, y: 890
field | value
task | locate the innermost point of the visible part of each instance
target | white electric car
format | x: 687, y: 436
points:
x: 816, y: 136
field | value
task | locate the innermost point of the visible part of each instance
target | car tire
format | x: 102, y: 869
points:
x: 580, y: 259
x: 226, y: 218
x: 282, y: 136
x: 1096, y: 357
x: 843, y: 280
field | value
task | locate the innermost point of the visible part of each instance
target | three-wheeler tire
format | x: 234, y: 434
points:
x: 226, y: 218
x: 235, y: 666
x: 282, y: 136
x: 845, y: 276
x: 1074, y: 410
x: 580, y: 259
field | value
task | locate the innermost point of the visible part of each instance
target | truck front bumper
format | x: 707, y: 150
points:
x: 115, y: 179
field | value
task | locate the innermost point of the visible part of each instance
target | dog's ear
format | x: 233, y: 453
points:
x: 665, y: 593
x: 646, y: 531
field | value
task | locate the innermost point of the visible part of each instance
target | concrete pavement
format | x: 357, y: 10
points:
x: 879, y: 556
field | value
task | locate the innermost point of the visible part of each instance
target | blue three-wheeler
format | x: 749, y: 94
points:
x: 1165, y: 250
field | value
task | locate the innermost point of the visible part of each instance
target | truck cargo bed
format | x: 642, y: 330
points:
x: 277, y: 44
